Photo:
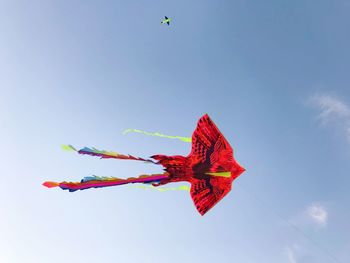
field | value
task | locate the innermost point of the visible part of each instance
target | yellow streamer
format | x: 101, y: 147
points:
x: 163, y: 189
x: 68, y: 147
x: 184, y: 139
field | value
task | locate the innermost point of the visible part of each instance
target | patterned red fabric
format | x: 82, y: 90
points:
x: 211, y: 153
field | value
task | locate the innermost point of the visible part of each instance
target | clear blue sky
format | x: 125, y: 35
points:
x: 273, y: 75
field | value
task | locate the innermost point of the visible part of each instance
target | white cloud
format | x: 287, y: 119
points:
x: 291, y: 255
x: 318, y: 214
x: 313, y: 215
x: 295, y: 253
x: 333, y: 110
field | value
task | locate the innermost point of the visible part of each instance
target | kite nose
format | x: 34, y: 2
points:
x: 239, y: 170
x: 242, y: 170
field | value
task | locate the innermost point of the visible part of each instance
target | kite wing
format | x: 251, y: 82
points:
x: 213, y: 165
x: 210, y: 150
x: 165, y: 17
x: 206, y: 193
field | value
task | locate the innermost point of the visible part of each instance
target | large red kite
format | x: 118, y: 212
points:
x: 210, y: 168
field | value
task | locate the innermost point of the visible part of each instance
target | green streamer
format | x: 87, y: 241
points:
x: 68, y: 147
x: 163, y: 189
x: 184, y: 139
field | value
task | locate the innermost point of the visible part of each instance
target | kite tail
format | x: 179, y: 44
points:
x: 163, y: 189
x: 99, y: 182
x: 184, y: 139
x: 105, y: 154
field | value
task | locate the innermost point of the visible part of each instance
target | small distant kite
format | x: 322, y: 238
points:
x: 210, y: 167
x: 166, y: 21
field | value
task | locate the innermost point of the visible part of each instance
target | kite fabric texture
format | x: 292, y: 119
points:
x: 210, y: 168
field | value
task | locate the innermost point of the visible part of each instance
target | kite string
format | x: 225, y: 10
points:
x: 266, y: 206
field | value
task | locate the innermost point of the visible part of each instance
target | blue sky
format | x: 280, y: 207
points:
x: 273, y: 75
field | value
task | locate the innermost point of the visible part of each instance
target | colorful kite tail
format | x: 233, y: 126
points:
x: 105, y: 154
x: 99, y: 182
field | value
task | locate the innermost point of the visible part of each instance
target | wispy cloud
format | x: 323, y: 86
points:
x: 317, y: 214
x: 333, y: 110
x: 292, y: 258
x: 313, y: 215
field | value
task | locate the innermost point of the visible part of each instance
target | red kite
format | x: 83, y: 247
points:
x: 210, y: 168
